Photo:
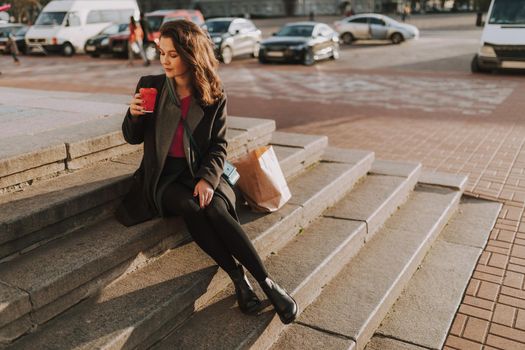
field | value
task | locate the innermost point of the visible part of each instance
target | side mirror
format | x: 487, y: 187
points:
x: 67, y: 22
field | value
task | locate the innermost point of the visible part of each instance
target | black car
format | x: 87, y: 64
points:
x: 19, y: 31
x: 304, y: 42
x: 99, y: 44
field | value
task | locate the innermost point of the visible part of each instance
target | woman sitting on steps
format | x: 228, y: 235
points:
x: 174, y: 178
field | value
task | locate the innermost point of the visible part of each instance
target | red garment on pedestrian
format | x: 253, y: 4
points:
x: 177, y: 148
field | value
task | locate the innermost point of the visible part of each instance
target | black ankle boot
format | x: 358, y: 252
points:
x: 246, y: 297
x: 284, y: 304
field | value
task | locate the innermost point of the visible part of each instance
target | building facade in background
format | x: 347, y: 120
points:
x: 271, y: 8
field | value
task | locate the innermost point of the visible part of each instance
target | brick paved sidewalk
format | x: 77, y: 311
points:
x: 491, y: 151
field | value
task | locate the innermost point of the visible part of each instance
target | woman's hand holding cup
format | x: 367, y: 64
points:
x: 135, y: 106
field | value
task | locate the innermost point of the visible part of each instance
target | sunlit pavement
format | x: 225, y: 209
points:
x: 417, y: 101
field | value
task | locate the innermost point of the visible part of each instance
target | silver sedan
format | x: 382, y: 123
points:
x: 371, y: 26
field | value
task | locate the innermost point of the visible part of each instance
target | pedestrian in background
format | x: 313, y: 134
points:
x: 145, y: 29
x: 136, y: 37
x: 13, y: 48
x: 406, y: 12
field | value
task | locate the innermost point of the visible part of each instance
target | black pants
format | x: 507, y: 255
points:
x: 214, y: 229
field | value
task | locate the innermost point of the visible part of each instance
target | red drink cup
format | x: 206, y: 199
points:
x: 148, y: 95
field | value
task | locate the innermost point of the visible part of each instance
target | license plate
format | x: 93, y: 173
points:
x: 118, y: 49
x: 513, y: 64
x: 90, y: 48
x: 275, y: 54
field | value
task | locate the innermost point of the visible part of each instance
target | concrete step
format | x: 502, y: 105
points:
x: 314, y: 145
x: 351, y: 307
x: 108, y: 249
x: 49, y: 152
x: 303, y: 267
x: 59, y: 206
x: 424, y: 312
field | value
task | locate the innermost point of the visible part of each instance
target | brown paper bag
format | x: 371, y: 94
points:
x: 262, y: 181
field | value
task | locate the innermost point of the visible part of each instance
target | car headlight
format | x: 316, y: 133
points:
x: 297, y: 47
x: 487, y: 51
x: 217, y: 39
x: 104, y: 41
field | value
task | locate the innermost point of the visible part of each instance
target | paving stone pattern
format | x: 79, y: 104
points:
x: 434, y: 94
x: 490, y: 149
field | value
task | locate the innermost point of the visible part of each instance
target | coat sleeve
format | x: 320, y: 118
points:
x: 212, y: 165
x: 133, y: 127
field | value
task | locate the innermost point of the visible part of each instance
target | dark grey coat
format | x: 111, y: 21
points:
x: 208, y: 128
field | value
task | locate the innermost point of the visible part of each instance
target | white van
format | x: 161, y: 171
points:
x: 503, y: 39
x: 65, y: 25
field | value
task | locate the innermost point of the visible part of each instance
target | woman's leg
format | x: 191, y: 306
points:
x: 179, y: 200
x: 234, y: 237
x: 130, y: 54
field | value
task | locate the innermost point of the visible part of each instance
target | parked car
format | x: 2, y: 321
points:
x: 371, y: 26
x: 99, y: 44
x: 233, y: 37
x: 18, y: 30
x: 502, y: 43
x: 304, y: 42
x: 64, y: 25
x: 156, y: 19
x: 118, y: 46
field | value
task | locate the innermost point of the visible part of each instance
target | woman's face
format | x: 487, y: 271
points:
x: 170, y: 59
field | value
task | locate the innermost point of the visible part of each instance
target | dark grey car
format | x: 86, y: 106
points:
x: 305, y: 42
x: 233, y: 37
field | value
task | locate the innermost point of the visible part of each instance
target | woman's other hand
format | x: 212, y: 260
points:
x: 205, y: 192
x: 135, y: 106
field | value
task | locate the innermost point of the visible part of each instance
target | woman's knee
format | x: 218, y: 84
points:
x: 184, y: 207
x: 216, y: 209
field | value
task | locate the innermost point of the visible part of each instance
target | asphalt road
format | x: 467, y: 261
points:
x: 371, y: 78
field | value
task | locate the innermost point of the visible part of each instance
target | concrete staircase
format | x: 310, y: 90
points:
x: 346, y: 246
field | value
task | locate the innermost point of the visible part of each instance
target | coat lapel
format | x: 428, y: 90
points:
x: 167, y: 120
x: 194, y: 117
x: 168, y: 117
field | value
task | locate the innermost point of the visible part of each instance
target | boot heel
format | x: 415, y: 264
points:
x: 285, y: 306
x: 247, y: 300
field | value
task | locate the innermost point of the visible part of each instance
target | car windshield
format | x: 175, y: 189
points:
x: 21, y: 31
x: 296, y: 30
x: 113, y: 29
x: 217, y: 26
x: 4, y: 32
x: 171, y: 19
x: 154, y: 22
x: 50, y: 18
x: 508, y: 12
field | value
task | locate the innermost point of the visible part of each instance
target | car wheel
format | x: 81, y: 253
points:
x: 256, y: 49
x: 151, y: 51
x: 335, y: 52
x: 476, y: 68
x: 226, y: 55
x: 347, y: 38
x: 308, y: 58
x: 68, y: 50
x: 261, y: 58
x: 396, y: 38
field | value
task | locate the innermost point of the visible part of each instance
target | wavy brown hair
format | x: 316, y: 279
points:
x: 195, y: 49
